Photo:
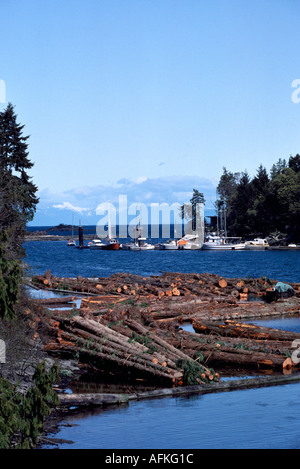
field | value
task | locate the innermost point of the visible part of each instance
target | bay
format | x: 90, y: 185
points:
x: 252, y: 419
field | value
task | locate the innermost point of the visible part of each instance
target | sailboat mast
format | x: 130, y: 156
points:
x: 109, y: 223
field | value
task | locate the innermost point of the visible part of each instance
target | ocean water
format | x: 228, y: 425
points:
x: 66, y: 261
x: 250, y: 419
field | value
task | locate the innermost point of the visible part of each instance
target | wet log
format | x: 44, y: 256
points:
x: 216, y: 352
x: 89, y: 399
x: 249, y: 360
x: 56, y: 301
x: 232, y: 328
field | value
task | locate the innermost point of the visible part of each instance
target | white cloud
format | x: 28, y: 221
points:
x: 171, y: 189
x: 141, y: 179
x: 69, y: 206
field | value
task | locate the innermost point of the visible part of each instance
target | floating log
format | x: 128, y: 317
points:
x: 232, y: 328
x: 57, y: 301
x: 95, y: 399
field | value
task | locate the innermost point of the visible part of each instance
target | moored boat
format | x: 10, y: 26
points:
x: 171, y: 244
x: 140, y: 244
x: 189, y: 242
x: 257, y: 243
x: 96, y: 244
x: 214, y: 242
x: 111, y: 244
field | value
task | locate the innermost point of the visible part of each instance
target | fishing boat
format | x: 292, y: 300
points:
x: 108, y: 244
x: 111, y: 244
x: 215, y: 242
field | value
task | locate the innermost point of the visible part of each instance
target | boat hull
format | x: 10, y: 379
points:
x: 168, y: 247
x: 223, y: 247
x: 111, y: 247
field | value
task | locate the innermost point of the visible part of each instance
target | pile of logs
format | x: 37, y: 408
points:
x: 242, y: 345
x: 167, y: 284
x: 187, y: 285
x: 125, y: 344
x: 134, y: 323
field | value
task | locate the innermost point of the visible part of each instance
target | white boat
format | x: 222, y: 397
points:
x: 190, y: 242
x: 257, y: 243
x: 214, y: 242
x: 108, y: 244
x: 171, y: 244
x: 96, y: 244
x: 139, y: 245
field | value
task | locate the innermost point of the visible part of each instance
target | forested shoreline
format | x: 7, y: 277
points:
x: 266, y: 205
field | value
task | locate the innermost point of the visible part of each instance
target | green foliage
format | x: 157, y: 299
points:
x: 191, y: 211
x: 192, y: 371
x: 265, y: 204
x: 17, y: 206
x: 10, y: 276
x: 22, y: 416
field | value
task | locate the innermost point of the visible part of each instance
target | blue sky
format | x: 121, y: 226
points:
x: 148, y: 98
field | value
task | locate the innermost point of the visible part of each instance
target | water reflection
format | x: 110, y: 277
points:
x: 238, y: 419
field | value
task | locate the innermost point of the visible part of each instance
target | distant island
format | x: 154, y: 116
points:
x: 62, y: 227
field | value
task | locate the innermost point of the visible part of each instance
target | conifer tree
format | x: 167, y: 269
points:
x: 17, y: 203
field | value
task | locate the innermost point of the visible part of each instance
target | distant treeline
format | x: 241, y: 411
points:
x: 268, y: 204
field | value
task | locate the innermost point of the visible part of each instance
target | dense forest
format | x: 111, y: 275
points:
x: 268, y: 205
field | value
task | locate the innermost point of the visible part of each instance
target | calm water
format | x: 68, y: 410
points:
x: 71, y: 262
x: 257, y: 418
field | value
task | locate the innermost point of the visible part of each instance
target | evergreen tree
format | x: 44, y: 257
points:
x: 294, y: 163
x: 17, y: 202
x: 240, y: 223
x: 227, y: 187
x: 191, y: 211
x: 262, y: 203
x: 265, y: 204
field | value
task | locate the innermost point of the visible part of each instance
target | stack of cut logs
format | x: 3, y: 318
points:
x: 165, y: 285
x: 132, y: 322
x: 126, y: 344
